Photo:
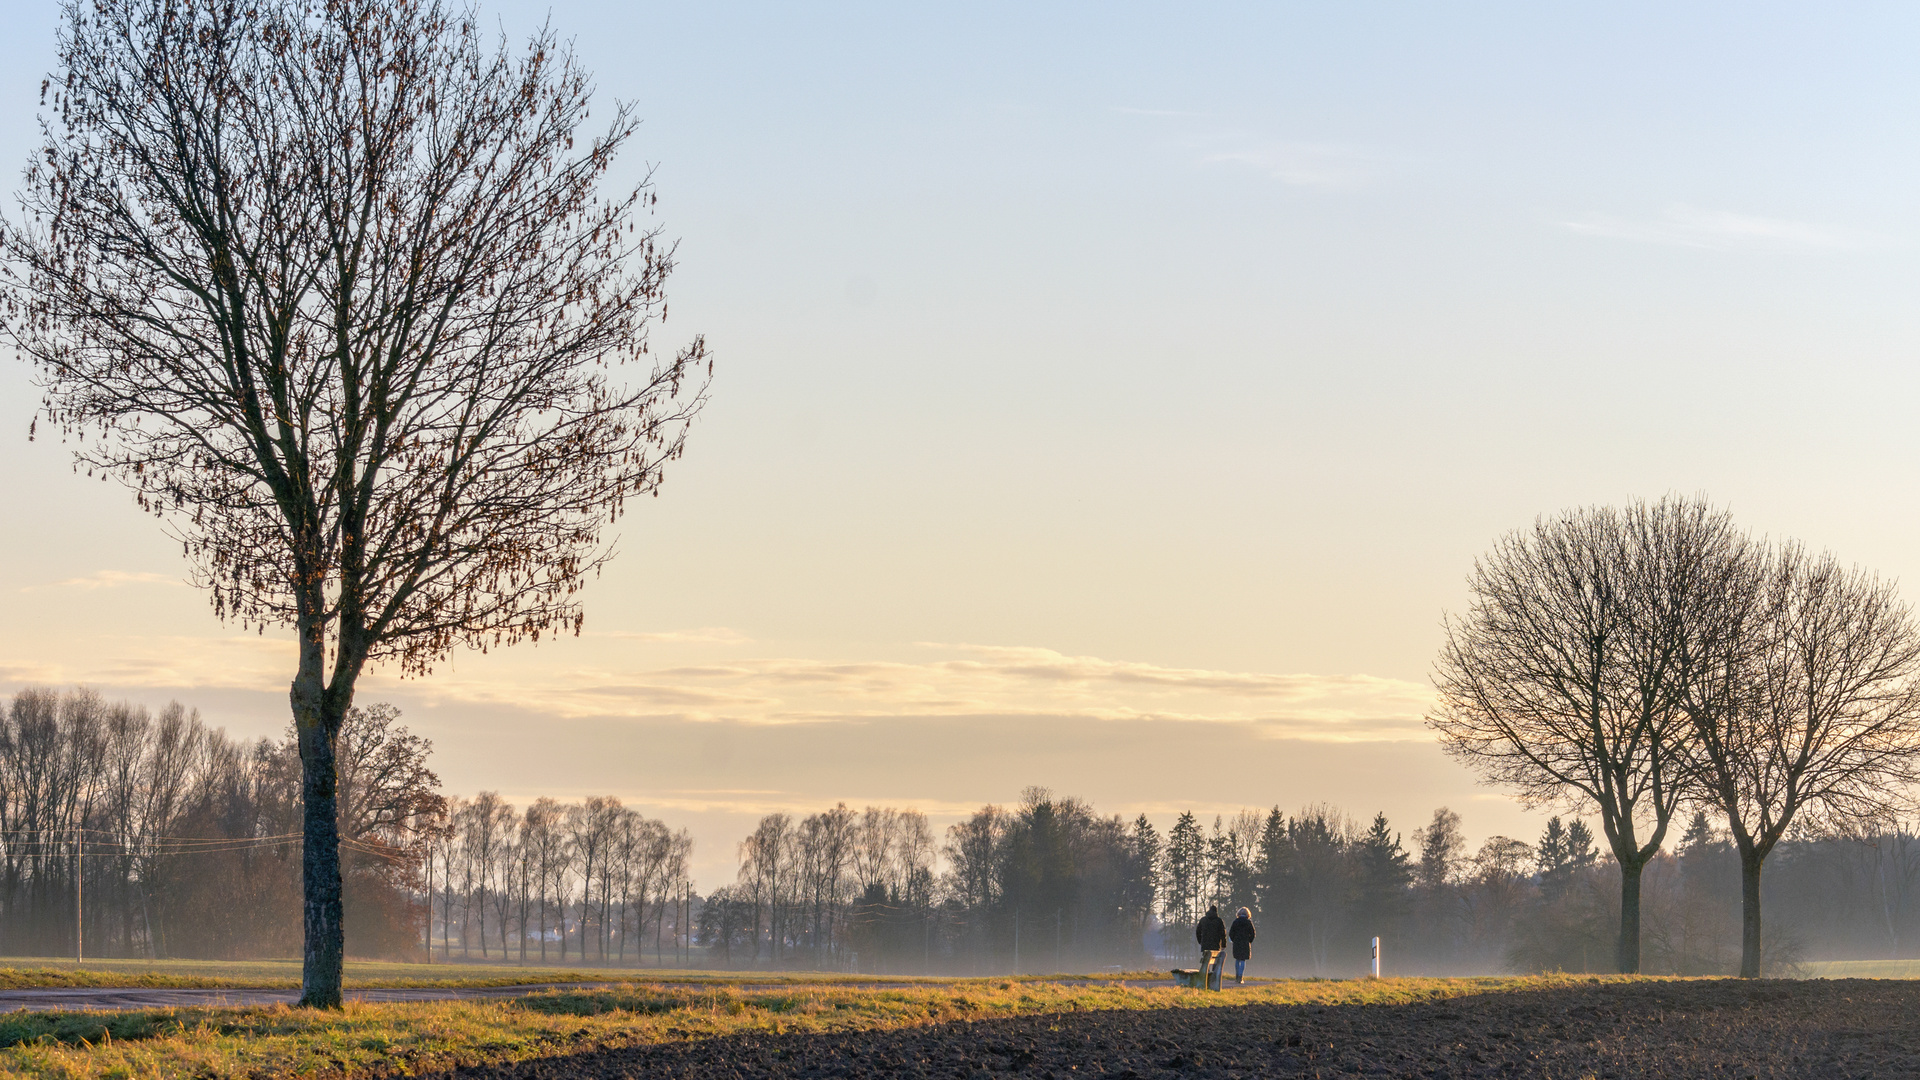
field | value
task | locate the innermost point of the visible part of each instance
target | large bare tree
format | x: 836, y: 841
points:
x: 1803, y: 688
x: 1560, y: 682
x: 334, y: 286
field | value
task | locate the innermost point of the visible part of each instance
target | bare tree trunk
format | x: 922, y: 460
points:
x: 324, y: 949
x: 1750, y: 863
x: 1627, y: 954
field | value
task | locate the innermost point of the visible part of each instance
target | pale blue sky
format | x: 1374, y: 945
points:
x: 1193, y: 341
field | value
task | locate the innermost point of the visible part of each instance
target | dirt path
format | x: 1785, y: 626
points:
x: 1723, y: 1029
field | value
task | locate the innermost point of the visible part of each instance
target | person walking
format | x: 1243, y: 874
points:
x: 1212, y: 935
x: 1241, y: 934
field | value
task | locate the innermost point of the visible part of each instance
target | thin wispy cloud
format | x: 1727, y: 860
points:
x: 968, y: 681
x: 1297, y: 164
x: 661, y: 696
x: 1292, y: 162
x: 230, y: 662
x: 106, y: 579
x: 706, y: 635
x: 953, y: 681
x: 1687, y: 226
x: 758, y: 803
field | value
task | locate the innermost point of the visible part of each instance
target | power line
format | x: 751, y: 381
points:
x: 71, y: 830
x: 171, y: 845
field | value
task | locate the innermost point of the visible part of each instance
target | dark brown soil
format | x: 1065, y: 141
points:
x: 1719, y: 1029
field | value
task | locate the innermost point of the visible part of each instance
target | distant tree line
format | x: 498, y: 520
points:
x: 184, y: 842
x: 582, y: 881
x: 1051, y: 885
x: 1046, y: 885
x: 187, y: 843
x: 837, y: 889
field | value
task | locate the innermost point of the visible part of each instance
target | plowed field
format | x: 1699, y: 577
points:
x: 1718, y: 1029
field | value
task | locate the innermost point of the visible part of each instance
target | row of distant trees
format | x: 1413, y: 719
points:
x: 1650, y: 661
x: 186, y: 841
x: 833, y: 889
x: 1051, y: 885
x: 156, y: 836
x: 1320, y: 886
x: 160, y: 836
x: 1048, y: 884
x: 555, y: 880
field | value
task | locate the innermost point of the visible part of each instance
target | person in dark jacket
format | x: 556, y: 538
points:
x: 1241, y: 934
x: 1212, y: 935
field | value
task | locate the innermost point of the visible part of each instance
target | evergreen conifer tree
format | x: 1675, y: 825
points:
x: 1385, y: 878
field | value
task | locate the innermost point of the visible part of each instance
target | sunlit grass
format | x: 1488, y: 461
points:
x: 34, y: 972
x: 408, y: 1038
x: 1861, y: 969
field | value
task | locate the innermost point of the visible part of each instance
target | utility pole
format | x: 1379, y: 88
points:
x: 427, y: 936
x: 79, y: 911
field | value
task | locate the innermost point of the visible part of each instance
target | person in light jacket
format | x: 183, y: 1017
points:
x: 1241, y: 934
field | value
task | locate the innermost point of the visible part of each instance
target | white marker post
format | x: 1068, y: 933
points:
x: 1376, y: 958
